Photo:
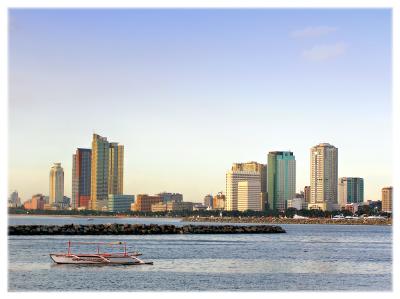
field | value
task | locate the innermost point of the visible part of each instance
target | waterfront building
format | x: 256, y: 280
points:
x: 14, y: 201
x: 324, y: 177
x: 350, y: 190
x: 262, y: 169
x: 249, y: 195
x: 233, y: 177
x: 172, y: 206
x: 120, y: 202
x: 167, y: 196
x: 99, y: 172
x: 143, y: 202
x: 199, y: 207
x: 387, y: 199
x: 297, y: 203
x: 208, y: 201
x: 107, y: 171
x: 281, y: 179
x: 116, y: 169
x: 219, y: 201
x: 81, y: 178
x: 307, y: 194
x: 56, y: 184
x: 352, y: 207
x: 35, y: 203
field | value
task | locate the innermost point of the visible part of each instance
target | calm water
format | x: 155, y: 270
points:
x: 307, y: 257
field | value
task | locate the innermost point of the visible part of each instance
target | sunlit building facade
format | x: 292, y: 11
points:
x: 233, y: 178
x: 81, y: 178
x: 350, y: 190
x: 387, y: 199
x: 56, y: 184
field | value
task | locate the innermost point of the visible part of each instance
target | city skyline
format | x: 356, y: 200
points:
x: 186, y: 104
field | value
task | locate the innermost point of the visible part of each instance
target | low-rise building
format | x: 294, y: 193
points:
x: 143, y: 202
x: 172, y: 206
x: 199, y: 207
x: 167, y: 196
x: 352, y: 207
x: 120, y: 202
x: 35, y: 203
x: 219, y: 201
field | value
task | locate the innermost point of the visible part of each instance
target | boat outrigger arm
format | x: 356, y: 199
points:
x: 119, y: 258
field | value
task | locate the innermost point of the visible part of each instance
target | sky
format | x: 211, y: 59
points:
x: 188, y: 92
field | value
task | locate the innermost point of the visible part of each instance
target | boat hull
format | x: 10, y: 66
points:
x: 95, y: 259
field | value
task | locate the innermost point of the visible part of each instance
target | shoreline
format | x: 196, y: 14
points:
x: 272, y: 220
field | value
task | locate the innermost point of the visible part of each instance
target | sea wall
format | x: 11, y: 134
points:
x: 140, y: 229
x: 275, y: 220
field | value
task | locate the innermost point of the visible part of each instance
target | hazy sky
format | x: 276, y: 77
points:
x: 189, y: 92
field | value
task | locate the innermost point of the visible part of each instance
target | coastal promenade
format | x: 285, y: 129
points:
x: 275, y: 220
x: 140, y: 229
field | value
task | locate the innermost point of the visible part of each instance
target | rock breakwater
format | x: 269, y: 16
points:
x: 140, y: 229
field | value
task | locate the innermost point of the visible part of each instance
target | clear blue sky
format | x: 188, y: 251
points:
x: 189, y: 92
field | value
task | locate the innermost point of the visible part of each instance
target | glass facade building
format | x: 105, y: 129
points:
x: 81, y: 178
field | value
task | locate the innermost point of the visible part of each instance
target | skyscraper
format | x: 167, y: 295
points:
x: 99, y: 172
x: 259, y: 168
x: 107, y: 171
x: 387, y: 198
x: 233, y: 177
x: 56, y: 190
x: 350, y: 190
x: 116, y: 169
x: 324, y: 177
x: 281, y: 179
x: 81, y: 178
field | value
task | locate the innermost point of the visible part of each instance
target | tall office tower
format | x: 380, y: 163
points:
x: 307, y: 194
x: 281, y: 179
x: 350, y: 190
x: 116, y: 169
x: 233, y: 177
x: 81, y: 178
x: 99, y: 172
x: 387, y: 199
x: 208, y: 201
x: 56, y: 190
x: 259, y: 168
x: 14, y: 201
x: 249, y: 195
x: 324, y: 177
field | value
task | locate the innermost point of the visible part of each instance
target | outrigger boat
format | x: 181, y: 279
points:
x: 103, y: 258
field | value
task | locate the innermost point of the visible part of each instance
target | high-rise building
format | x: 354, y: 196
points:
x: 233, y: 177
x: 249, y: 195
x: 307, y: 194
x: 281, y: 179
x: 99, y: 172
x: 387, y: 199
x: 350, y: 190
x: 81, y: 178
x: 219, y: 201
x: 107, y: 171
x: 56, y: 192
x: 324, y: 177
x: 116, y: 169
x: 208, y: 201
x: 259, y: 168
x: 14, y: 201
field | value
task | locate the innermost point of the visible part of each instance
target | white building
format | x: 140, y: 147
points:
x: 324, y: 177
x: 56, y: 194
x: 249, y: 195
x: 297, y: 203
x: 232, y: 180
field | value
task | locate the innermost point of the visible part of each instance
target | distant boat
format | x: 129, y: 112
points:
x: 90, y: 219
x: 103, y: 258
x: 338, y: 217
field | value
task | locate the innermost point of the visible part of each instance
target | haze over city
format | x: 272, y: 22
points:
x: 189, y: 92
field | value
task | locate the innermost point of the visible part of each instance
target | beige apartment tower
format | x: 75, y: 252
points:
x: 107, y: 168
x: 56, y: 184
x: 324, y: 177
x: 387, y: 198
x: 249, y: 195
x: 232, y: 180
